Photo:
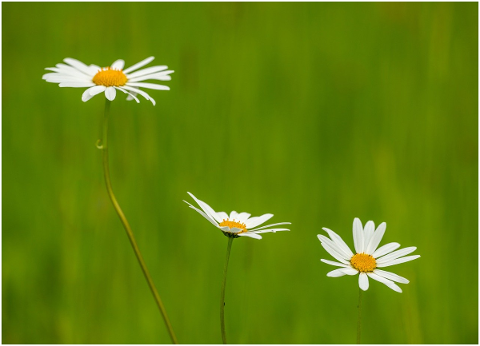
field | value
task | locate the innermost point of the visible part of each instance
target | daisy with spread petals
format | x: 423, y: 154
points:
x: 367, y: 259
x: 237, y: 224
x: 75, y: 74
x: 234, y: 226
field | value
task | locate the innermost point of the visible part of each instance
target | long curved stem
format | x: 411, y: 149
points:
x: 126, y: 225
x: 359, y: 315
x: 222, y: 295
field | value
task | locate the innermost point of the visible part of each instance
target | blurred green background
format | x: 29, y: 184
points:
x: 315, y: 112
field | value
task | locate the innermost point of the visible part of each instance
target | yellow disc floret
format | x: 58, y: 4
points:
x: 109, y: 77
x: 363, y: 262
x: 234, y: 224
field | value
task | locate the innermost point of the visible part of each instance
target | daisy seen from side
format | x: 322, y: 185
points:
x: 237, y: 224
x: 234, y: 226
x: 76, y: 74
x: 367, y: 259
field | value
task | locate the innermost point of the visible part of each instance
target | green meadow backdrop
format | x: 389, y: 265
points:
x: 315, y: 112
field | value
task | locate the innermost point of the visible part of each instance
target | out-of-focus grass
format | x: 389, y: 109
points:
x: 316, y: 112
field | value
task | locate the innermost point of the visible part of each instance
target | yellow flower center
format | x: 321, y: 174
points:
x: 363, y: 262
x: 109, y: 77
x: 234, y: 224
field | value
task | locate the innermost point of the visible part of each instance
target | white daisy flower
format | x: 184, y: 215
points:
x: 238, y: 224
x: 109, y: 79
x: 367, y: 258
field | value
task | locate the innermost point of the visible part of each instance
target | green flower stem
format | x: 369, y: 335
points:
x: 359, y: 314
x: 104, y: 147
x: 222, y: 296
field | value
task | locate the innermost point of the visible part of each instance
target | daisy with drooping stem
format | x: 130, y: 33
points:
x: 76, y: 74
x: 234, y: 226
x: 367, y: 258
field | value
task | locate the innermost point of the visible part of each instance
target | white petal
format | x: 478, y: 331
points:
x: 69, y: 70
x: 118, y: 65
x: 66, y: 79
x: 91, y: 92
x: 151, y: 77
x: 242, y: 217
x: 251, y: 235
x: 94, y: 68
x: 76, y: 84
x: 148, y: 86
x: 391, y: 276
x: 368, y: 233
x: 336, y: 273
x: 221, y: 215
x: 363, y: 281
x: 52, y: 81
x: 203, y: 214
x: 131, y: 96
x: 339, y: 241
x: 334, y: 245
x: 206, y: 208
x: 234, y: 215
x: 398, y: 261
x: 149, y: 70
x: 271, y: 230
x: 333, y: 263
x: 55, y: 75
x: 86, y: 95
x: 376, y: 239
x: 138, y: 91
x: 138, y: 65
x: 350, y: 271
x: 167, y: 72
x: 335, y: 254
x: 387, y: 282
x: 358, y: 235
x: 110, y: 93
x: 97, y: 89
x: 257, y: 220
x: 273, y: 224
x: 396, y: 254
x: 78, y: 65
x: 385, y: 249
x: 163, y: 76
x: 52, y: 74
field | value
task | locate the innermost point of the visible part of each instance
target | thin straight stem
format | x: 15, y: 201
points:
x: 222, y: 295
x: 126, y: 225
x: 359, y: 323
